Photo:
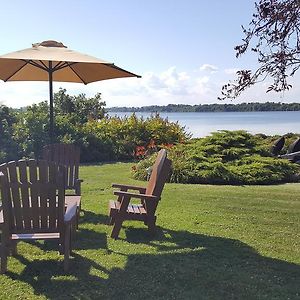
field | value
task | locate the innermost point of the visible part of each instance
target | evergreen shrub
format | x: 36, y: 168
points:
x: 225, y: 157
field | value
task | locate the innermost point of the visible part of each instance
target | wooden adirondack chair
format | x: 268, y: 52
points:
x: 33, y: 206
x: 121, y: 209
x: 69, y: 156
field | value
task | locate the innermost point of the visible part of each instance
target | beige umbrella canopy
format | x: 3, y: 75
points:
x: 52, y: 61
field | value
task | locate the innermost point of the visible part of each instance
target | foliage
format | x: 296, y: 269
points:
x: 114, y: 138
x: 79, y: 108
x: 71, y: 113
x: 225, y: 157
x: 273, y: 35
x: 82, y: 121
x: 31, y: 129
x: 9, y: 149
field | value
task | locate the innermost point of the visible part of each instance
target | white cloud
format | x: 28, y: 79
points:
x: 168, y: 86
x: 202, y: 88
x: 209, y: 68
x: 231, y: 71
x: 18, y: 94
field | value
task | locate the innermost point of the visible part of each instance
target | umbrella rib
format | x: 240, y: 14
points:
x: 120, y: 69
x: 62, y: 65
x: 10, y: 76
x: 83, y: 81
x: 33, y: 63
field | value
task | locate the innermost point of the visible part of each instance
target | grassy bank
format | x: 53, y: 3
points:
x: 213, y: 242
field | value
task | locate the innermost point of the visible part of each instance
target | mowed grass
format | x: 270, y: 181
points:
x: 213, y: 242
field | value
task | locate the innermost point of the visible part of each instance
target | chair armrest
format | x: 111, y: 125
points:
x: 125, y: 187
x: 70, y: 213
x: 135, y: 195
x: 290, y: 155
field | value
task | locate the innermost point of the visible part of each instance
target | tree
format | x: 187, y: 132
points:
x: 31, y: 129
x: 274, y: 35
x: 79, y: 108
x: 8, y: 146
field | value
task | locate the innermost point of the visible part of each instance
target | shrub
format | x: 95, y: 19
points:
x: 119, y: 138
x: 225, y: 157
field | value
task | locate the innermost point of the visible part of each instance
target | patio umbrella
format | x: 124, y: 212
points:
x: 53, y: 61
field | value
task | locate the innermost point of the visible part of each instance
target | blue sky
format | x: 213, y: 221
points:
x: 182, y: 49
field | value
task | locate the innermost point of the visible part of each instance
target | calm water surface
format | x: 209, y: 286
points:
x: 202, y: 124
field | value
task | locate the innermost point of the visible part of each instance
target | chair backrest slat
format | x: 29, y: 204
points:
x: 27, y: 216
x: 43, y: 193
x: 34, y: 199
x: 71, y: 163
x: 158, y: 178
x: 32, y: 164
x: 43, y: 171
x: 36, y: 206
x: 15, y: 195
x: 67, y: 155
x: 52, y: 209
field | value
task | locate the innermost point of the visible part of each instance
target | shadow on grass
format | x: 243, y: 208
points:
x: 185, y: 266
x: 89, y: 217
x: 85, y: 239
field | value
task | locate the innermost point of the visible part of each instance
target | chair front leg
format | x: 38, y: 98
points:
x: 3, y: 256
x: 111, y: 221
x: 116, y: 229
x: 119, y: 217
x: 151, y: 224
x: 67, y: 242
x: 13, y: 248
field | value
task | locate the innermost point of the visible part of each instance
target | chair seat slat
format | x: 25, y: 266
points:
x: 35, y: 236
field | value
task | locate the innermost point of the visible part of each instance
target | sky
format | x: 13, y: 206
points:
x: 184, y: 50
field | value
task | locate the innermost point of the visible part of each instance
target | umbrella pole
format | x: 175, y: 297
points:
x: 51, y: 117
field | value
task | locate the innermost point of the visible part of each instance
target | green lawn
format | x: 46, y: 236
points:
x: 213, y: 242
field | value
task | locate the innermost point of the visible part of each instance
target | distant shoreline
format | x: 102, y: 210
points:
x: 200, y: 112
x: 241, y: 107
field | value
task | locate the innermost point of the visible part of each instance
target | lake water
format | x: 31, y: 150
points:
x: 202, y: 124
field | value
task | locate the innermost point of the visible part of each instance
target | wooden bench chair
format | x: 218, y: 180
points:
x: 121, y: 209
x: 69, y: 156
x: 33, y: 206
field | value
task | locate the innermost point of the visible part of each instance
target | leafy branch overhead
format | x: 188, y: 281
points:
x: 273, y: 35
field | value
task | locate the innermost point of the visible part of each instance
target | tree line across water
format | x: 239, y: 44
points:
x: 241, y: 107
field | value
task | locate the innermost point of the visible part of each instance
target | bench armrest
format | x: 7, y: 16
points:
x: 135, y: 195
x: 290, y: 155
x: 126, y: 187
x: 70, y: 213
